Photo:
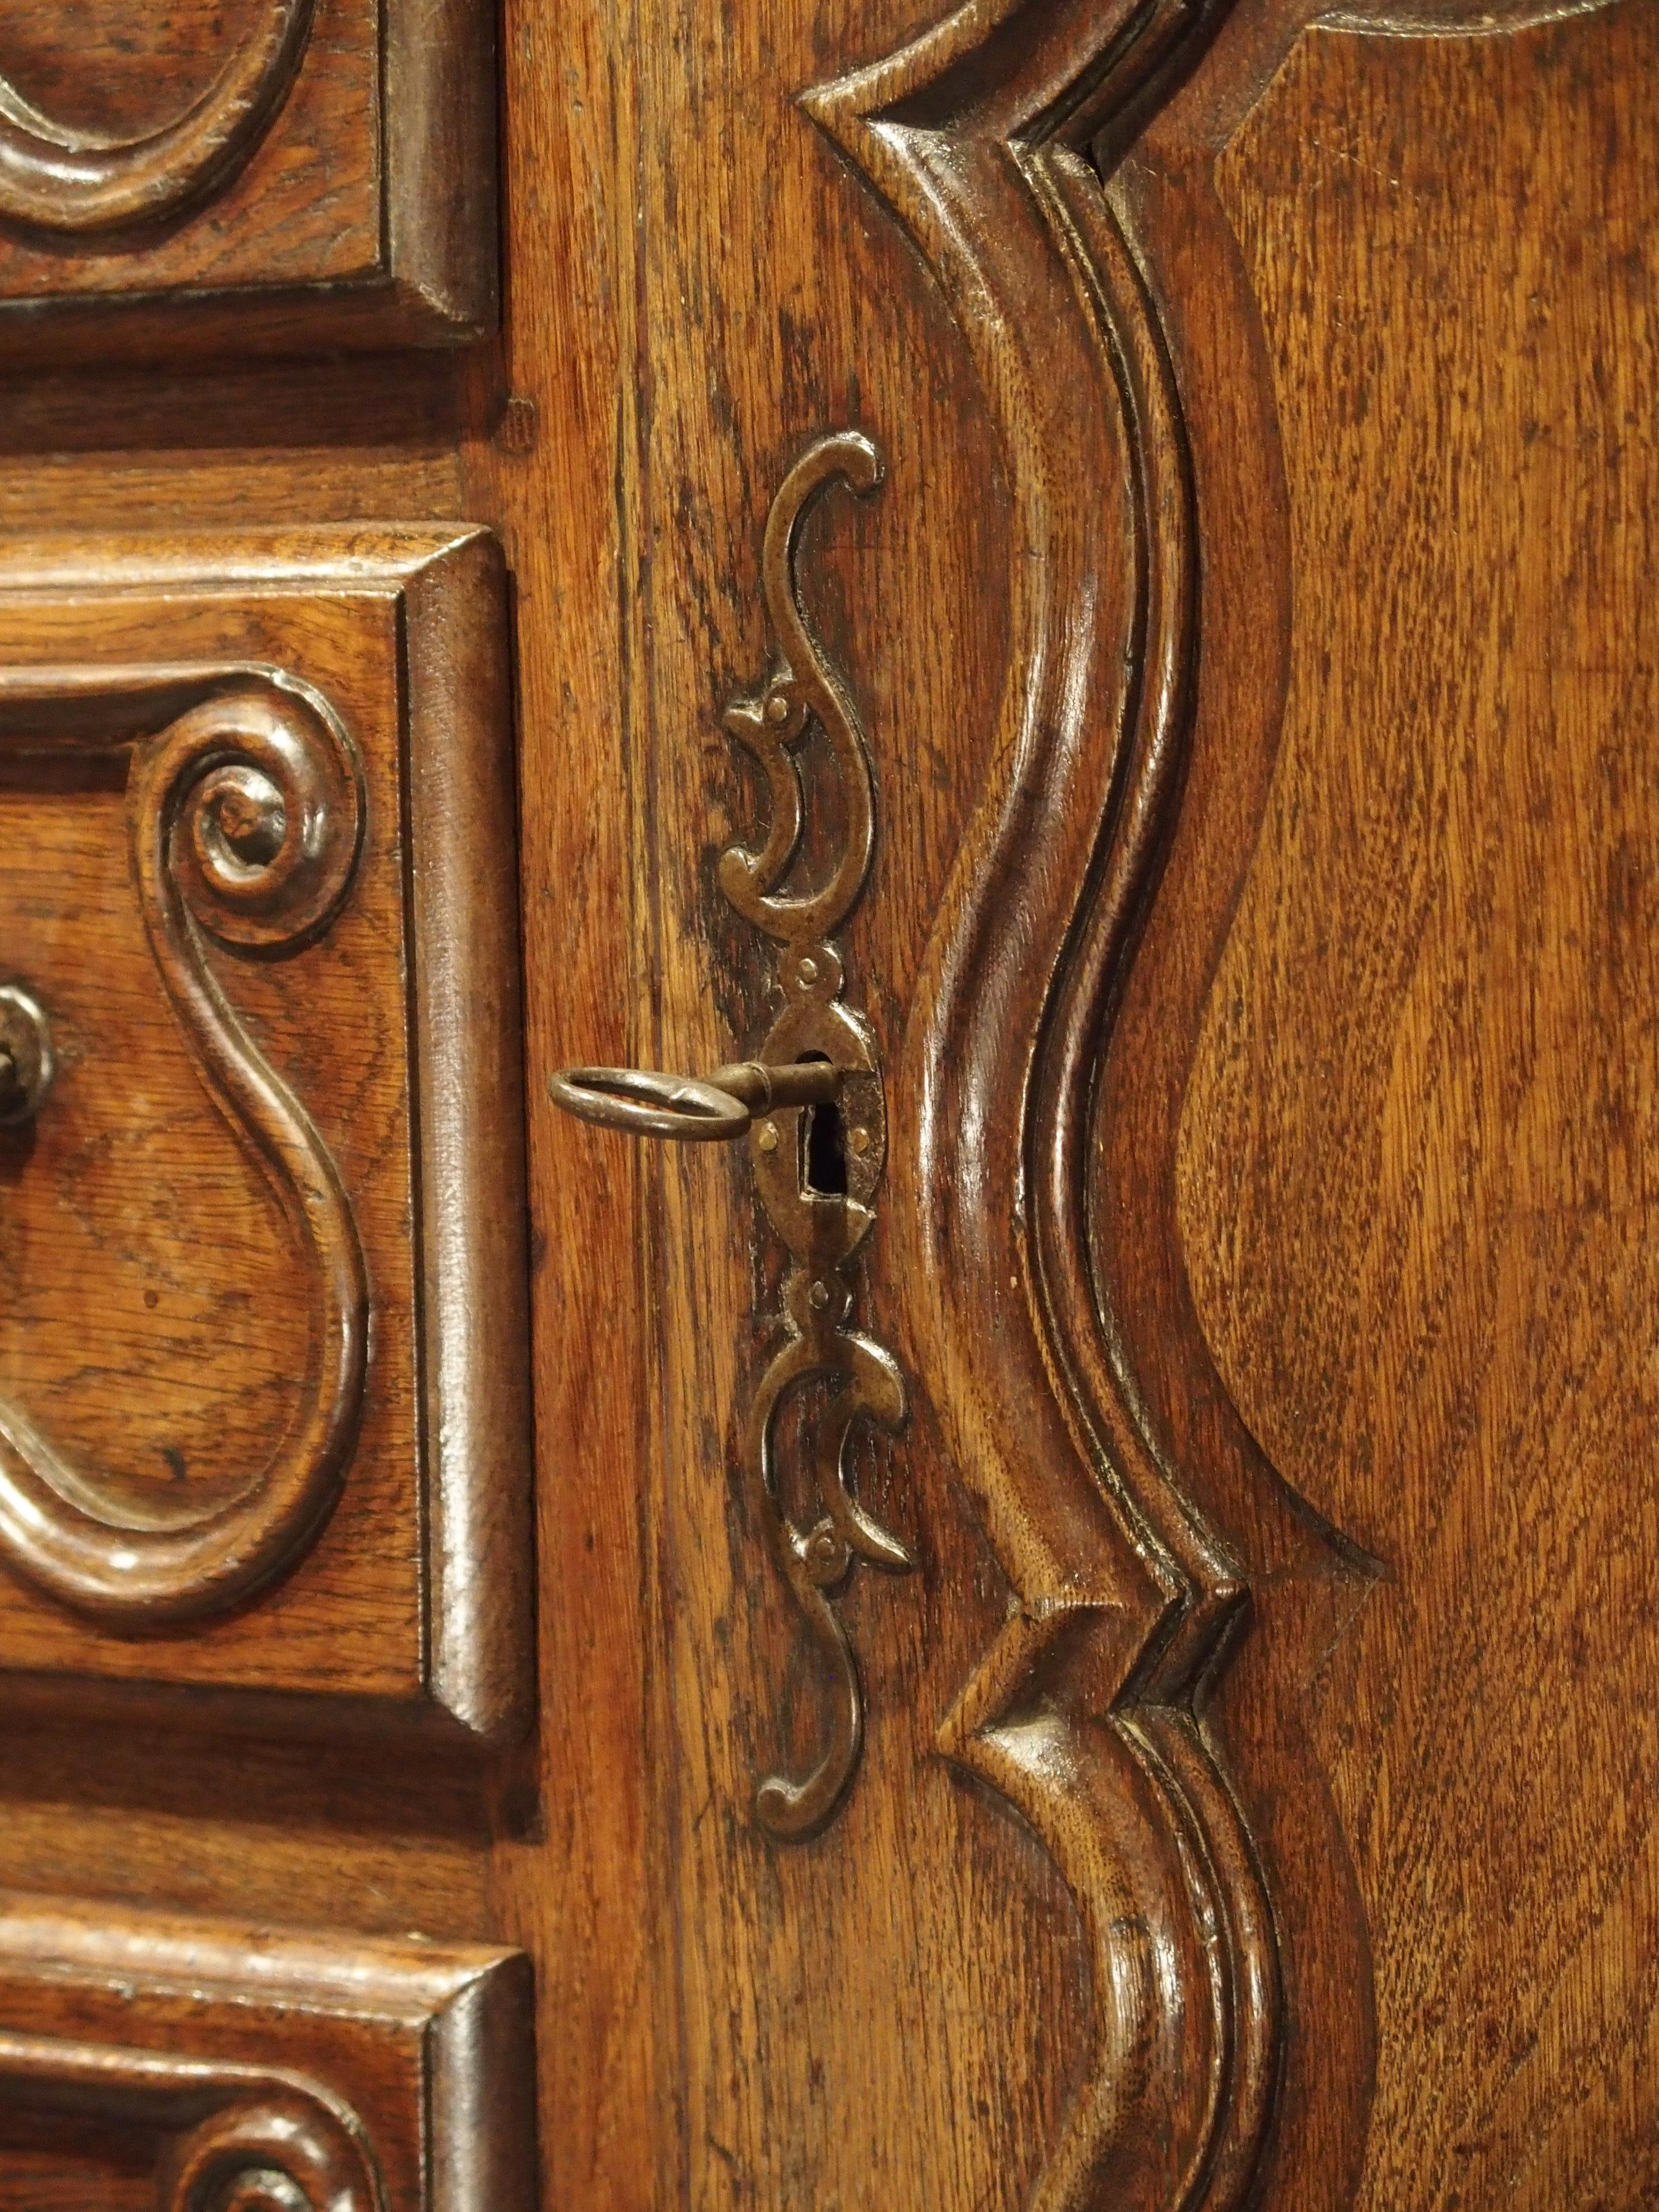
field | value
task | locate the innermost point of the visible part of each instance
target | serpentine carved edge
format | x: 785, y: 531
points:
x: 83, y: 185
x: 978, y: 137
x: 233, y: 2127
x: 246, y: 809
x: 823, y: 1233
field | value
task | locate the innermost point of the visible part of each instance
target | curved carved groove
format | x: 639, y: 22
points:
x: 822, y: 1233
x: 1083, y: 1714
x: 83, y: 184
x: 246, y: 2138
x: 246, y: 812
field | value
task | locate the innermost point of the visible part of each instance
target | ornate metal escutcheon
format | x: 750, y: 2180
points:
x: 811, y: 1106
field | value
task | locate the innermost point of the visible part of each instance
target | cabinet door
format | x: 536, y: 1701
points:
x: 1209, y: 1760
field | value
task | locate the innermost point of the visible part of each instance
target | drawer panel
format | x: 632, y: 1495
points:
x: 159, y: 2061
x: 272, y: 173
x: 263, y: 1398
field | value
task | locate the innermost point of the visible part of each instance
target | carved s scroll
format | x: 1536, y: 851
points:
x: 246, y: 813
x: 988, y: 137
x: 83, y: 185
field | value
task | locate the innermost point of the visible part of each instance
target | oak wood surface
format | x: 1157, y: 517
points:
x: 1415, y: 1174
x: 1327, y: 1154
x: 282, y: 2067
x: 100, y: 65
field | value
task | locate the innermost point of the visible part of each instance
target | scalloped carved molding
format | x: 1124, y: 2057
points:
x: 53, y: 178
x: 980, y: 138
x: 246, y: 814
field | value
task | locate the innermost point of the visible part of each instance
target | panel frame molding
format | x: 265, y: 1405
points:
x: 372, y: 2074
x: 987, y: 139
x: 1003, y: 143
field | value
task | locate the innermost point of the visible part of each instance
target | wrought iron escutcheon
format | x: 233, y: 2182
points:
x: 26, y: 1063
x: 810, y: 1104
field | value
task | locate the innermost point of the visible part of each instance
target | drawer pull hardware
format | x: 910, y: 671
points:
x: 811, y: 1103
x: 26, y: 1065
x: 692, y: 1109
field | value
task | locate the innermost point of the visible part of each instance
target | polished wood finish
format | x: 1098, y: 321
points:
x: 242, y: 2066
x: 1247, y: 638
x: 1414, y: 1231
x: 296, y: 1460
x: 1063, y: 846
x: 292, y: 174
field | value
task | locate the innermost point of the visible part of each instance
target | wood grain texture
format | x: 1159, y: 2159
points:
x: 1081, y: 1713
x: 59, y: 179
x: 245, y: 2065
x: 316, y: 171
x: 1413, y: 1179
x: 867, y: 2004
x: 700, y: 282
x: 98, y: 65
x: 412, y: 1217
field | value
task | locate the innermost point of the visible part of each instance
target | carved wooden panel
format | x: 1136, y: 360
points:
x: 267, y: 172
x: 263, y: 1413
x: 1416, y: 1163
x: 1096, y: 1887
x: 154, y: 2060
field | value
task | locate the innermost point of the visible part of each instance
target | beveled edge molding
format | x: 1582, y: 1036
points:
x: 1086, y: 1712
x: 141, y: 2016
x: 803, y: 693
x: 82, y: 184
x: 458, y: 773
x: 473, y: 1227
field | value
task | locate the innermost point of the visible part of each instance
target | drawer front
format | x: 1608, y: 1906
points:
x: 159, y: 2061
x: 263, y: 1407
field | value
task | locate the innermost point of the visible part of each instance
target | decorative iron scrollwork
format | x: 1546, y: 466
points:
x: 811, y: 1103
x: 822, y: 1228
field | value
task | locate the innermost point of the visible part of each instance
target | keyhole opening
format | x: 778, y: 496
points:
x: 823, y: 1147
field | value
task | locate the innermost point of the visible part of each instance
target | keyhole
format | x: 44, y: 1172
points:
x: 822, y: 1147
